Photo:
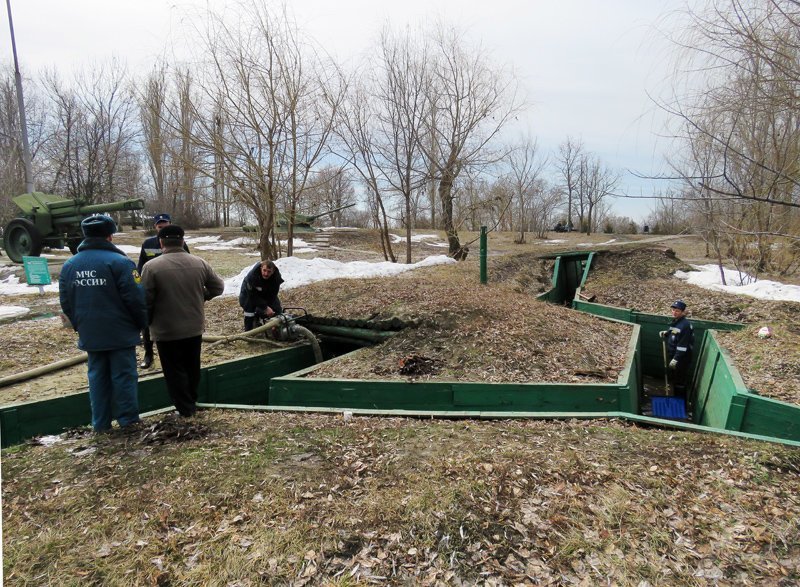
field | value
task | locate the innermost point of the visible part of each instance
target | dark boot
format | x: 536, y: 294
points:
x: 147, y: 361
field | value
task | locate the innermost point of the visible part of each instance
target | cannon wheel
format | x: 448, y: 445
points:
x: 21, y: 239
x: 73, y: 243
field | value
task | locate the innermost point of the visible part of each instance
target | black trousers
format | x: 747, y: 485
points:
x: 148, y: 342
x: 180, y: 360
x: 679, y: 377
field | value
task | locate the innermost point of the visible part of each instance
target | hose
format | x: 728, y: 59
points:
x: 217, y: 340
x: 302, y: 330
x: 43, y: 370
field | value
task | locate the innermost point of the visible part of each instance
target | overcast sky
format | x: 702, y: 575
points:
x: 585, y: 65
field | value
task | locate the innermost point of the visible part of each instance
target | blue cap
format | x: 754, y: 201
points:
x: 98, y: 225
x: 161, y: 218
x: 679, y: 305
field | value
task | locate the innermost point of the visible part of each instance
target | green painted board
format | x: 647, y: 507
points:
x: 227, y: 382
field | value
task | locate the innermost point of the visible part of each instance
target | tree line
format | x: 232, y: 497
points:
x: 261, y: 121
x: 735, y: 121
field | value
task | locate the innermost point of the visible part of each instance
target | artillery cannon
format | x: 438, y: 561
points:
x: 302, y: 222
x: 52, y: 221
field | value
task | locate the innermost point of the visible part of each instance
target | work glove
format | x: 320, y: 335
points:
x: 673, y: 364
x: 663, y: 333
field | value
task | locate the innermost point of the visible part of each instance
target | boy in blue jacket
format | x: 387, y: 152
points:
x: 100, y: 294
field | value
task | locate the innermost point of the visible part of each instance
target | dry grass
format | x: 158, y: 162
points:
x: 236, y: 498
x: 472, y: 332
x: 243, y: 498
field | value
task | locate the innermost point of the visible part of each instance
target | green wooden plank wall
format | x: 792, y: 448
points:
x: 234, y: 382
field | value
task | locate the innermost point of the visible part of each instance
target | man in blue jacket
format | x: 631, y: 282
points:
x: 100, y: 294
x: 151, y: 248
x: 680, y: 342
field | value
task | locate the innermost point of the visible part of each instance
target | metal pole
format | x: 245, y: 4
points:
x: 484, y: 278
x: 26, y: 150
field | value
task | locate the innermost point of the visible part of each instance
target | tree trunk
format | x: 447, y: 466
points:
x: 455, y: 249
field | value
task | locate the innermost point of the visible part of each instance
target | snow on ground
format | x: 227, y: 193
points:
x: 129, y: 249
x: 12, y: 311
x: 415, y: 238
x: 708, y: 277
x: 11, y: 285
x: 297, y: 272
x: 613, y: 240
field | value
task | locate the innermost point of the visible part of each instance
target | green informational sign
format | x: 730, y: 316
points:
x: 36, y: 271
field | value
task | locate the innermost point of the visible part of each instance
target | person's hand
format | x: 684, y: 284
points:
x: 673, y: 363
x: 663, y: 333
x: 270, y: 312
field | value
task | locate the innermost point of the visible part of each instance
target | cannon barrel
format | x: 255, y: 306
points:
x: 313, y: 217
x: 47, y: 220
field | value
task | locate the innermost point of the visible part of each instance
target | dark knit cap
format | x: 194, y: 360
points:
x: 98, y: 225
x: 171, y: 232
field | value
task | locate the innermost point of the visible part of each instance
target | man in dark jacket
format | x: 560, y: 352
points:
x: 100, y: 294
x: 177, y: 285
x: 258, y: 295
x: 680, y: 342
x: 151, y: 249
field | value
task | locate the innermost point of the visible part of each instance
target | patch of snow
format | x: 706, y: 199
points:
x: 11, y: 311
x: 608, y: 242
x: 49, y: 440
x: 337, y: 228
x: 297, y: 272
x: 415, y: 238
x: 11, y: 286
x: 201, y: 239
x: 708, y: 277
x: 129, y: 249
x: 554, y: 241
x: 222, y: 246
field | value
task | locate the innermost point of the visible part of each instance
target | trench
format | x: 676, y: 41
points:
x: 717, y: 401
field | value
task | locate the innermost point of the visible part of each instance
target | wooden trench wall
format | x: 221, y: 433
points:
x: 284, y: 380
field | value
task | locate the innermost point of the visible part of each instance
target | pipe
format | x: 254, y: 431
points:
x: 43, y: 370
x: 374, y: 336
x: 271, y: 323
x: 305, y: 332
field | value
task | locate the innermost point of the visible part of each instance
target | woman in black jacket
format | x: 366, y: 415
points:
x: 258, y: 296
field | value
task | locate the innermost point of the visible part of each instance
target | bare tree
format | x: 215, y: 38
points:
x: 400, y: 92
x: 473, y: 99
x: 568, y: 164
x: 525, y: 167
x: 597, y: 183
x: 91, y: 134
x: 357, y: 131
x: 740, y: 126
x: 12, y: 169
x: 264, y: 113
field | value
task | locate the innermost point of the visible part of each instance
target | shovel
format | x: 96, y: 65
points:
x: 667, y: 390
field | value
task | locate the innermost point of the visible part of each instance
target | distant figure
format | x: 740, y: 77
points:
x: 151, y: 249
x: 100, y: 294
x: 258, y: 295
x: 680, y: 342
x: 177, y: 285
x: 646, y: 229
